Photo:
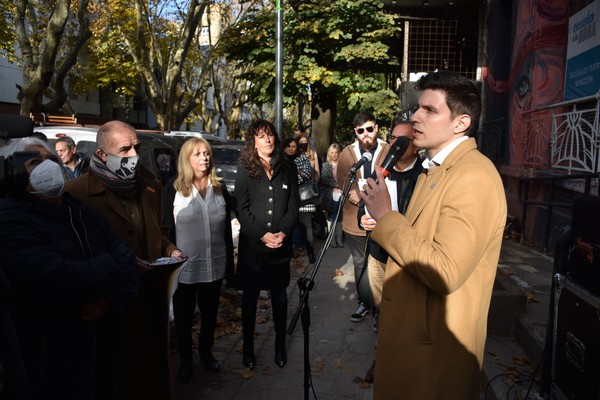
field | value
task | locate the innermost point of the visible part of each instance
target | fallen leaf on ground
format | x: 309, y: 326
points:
x: 520, y: 360
x: 531, y: 298
x: 245, y: 373
x: 319, y: 364
x: 364, y: 385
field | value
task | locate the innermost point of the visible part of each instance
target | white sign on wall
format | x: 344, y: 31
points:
x: 582, y: 75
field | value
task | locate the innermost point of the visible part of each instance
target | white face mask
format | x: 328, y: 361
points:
x: 47, y: 179
x: 124, y: 167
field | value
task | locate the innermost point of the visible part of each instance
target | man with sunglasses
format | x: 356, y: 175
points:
x: 132, y: 203
x: 365, y: 130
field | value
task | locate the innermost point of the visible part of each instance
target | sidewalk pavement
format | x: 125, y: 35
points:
x: 517, y: 323
x: 341, y: 351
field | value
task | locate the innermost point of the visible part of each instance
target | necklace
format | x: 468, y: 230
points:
x: 267, y: 167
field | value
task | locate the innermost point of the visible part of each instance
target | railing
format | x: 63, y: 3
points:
x: 550, y: 202
x: 51, y: 119
x: 563, y: 141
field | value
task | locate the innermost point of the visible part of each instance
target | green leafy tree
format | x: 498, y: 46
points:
x: 336, y: 54
x: 105, y: 62
x: 7, y: 32
x: 158, y: 39
x: 49, y: 36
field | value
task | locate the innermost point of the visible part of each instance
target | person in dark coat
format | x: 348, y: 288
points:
x: 266, y: 191
x: 132, y: 204
x: 71, y: 278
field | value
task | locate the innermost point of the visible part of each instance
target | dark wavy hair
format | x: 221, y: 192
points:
x: 249, y: 158
x: 286, y: 143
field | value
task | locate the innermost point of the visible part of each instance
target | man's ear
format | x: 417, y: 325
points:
x: 101, y: 154
x: 462, y: 123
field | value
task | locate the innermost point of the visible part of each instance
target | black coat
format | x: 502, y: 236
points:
x: 266, y: 206
x: 56, y: 259
x: 405, y: 185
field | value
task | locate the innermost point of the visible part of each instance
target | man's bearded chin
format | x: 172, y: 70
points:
x: 368, y: 144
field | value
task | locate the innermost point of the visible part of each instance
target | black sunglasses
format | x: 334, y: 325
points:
x: 369, y: 129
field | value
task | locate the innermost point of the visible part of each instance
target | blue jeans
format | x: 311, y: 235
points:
x: 335, y: 206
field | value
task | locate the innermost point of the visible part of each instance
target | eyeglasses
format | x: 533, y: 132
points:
x: 369, y: 129
x: 392, y: 139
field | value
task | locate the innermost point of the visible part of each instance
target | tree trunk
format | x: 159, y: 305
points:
x: 323, y: 118
x: 43, y: 69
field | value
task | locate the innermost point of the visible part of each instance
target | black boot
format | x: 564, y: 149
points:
x: 311, y: 254
x: 280, y: 353
x: 186, y: 371
x: 249, y: 359
x: 280, y: 322
x: 248, y: 321
x: 205, y: 343
x: 210, y: 361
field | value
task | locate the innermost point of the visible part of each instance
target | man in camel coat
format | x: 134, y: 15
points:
x: 443, y: 254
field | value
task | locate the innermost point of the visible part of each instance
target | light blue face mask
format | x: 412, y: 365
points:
x: 124, y: 167
x: 47, y: 179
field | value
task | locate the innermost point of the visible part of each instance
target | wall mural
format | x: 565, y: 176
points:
x: 536, y: 77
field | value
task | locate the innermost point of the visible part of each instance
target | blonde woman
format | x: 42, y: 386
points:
x: 199, y: 221
x: 330, y: 197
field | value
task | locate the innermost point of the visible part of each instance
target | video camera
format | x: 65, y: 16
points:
x: 13, y: 175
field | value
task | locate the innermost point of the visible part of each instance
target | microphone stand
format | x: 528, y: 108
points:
x: 306, y: 284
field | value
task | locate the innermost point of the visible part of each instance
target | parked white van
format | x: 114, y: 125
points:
x: 77, y: 133
x: 158, y: 153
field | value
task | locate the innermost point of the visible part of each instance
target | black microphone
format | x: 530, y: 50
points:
x: 397, y: 150
x: 366, y: 157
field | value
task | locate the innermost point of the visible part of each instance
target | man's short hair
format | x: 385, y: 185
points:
x: 401, y: 122
x: 462, y: 96
x: 362, y: 117
x: 105, y: 130
x: 66, y: 140
x: 39, y: 135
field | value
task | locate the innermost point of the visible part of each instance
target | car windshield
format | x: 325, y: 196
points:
x: 225, y: 155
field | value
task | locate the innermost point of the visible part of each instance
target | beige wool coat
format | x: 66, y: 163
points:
x: 442, y: 263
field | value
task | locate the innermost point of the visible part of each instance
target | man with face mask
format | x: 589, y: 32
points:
x: 130, y: 198
x: 70, y: 276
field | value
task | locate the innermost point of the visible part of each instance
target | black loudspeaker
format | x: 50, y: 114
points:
x: 585, y: 218
x: 576, y: 345
x: 584, y: 252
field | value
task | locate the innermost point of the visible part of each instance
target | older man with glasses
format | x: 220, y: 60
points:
x: 365, y: 130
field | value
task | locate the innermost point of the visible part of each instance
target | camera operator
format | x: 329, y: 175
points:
x: 70, y: 278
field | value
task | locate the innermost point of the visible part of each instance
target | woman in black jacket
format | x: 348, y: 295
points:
x: 266, y: 191
x: 71, y: 278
